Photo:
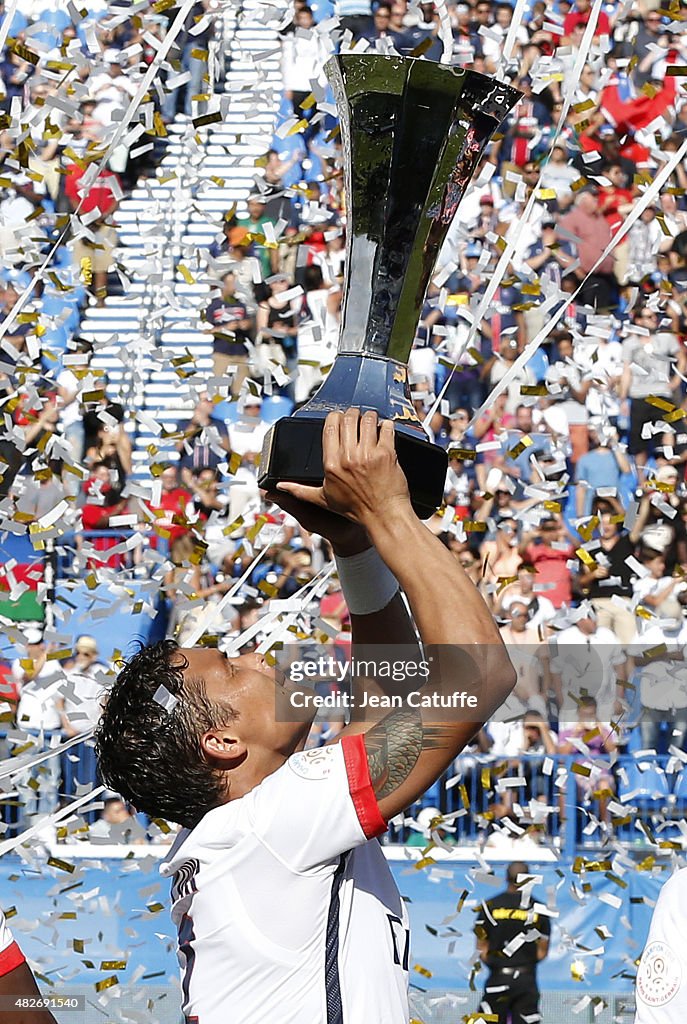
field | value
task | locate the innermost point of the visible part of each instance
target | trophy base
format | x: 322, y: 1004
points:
x: 292, y: 451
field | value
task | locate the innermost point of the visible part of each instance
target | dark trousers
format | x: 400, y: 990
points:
x: 512, y: 997
x: 600, y: 291
x: 358, y: 24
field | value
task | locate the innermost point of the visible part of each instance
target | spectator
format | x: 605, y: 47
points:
x: 522, y: 442
x: 579, y: 16
x: 355, y: 16
x: 587, y: 660
x: 656, y: 589
x: 246, y: 435
x: 205, y: 442
x: 113, y: 449
x: 38, y: 681
x: 540, y: 610
x: 658, y: 655
x: 608, y: 583
x: 169, y: 513
x: 188, y: 46
x: 87, y: 681
x: 277, y: 325
x: 74, y: 379
x: 592, y: 234
x: 522, y: 643
x: 303, y: 54
x: 595, y: 740
x: 232, y: 322
x: 94, y: 247
x: 500, y: 556
x: 650, y: 360
x: 601, y: 467
x: 548, y: 551
x: 117, y: 823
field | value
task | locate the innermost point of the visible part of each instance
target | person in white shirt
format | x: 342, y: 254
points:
x: 286, y: 909
x: 38, y: 715
x: 661, y: 985
x: 540, y: 610
x: 245, y: 439
x: 587, y: 658
x: 659, y: 653
x: 655, y: 589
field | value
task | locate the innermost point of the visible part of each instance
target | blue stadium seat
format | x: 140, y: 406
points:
x: 646, y: 782
x: 322, y: 9
x: 227, y: 411
x: 273, y: 408
x: 538, y: 364
x: 18, y: 547
x: 276, y: 406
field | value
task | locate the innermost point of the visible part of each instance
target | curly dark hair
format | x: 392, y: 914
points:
x: 152, y: 756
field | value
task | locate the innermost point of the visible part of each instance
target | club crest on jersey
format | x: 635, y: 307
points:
x: 317, y: 763
x: 659, y: 975
x: 184, y: 883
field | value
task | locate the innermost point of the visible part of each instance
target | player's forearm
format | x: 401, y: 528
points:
x: 378, y: 612
x: 460, y: 636
x: 445, y: 603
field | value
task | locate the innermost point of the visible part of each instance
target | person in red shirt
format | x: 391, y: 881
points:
x: 615, y: 200
x: 549, y: 553
x: 580, y: 16
x: 102, y: 501
x: 173, y: 502
x: 102, y: 196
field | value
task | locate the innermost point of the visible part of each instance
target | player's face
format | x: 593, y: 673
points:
x: 258, y: 693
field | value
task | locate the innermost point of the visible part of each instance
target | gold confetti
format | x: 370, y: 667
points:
x: 63, y: 865
x: 585, y: 557
x: 106, y: 983
x: 525, y: 442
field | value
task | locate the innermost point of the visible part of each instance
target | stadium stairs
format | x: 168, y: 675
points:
x: 165, y: 229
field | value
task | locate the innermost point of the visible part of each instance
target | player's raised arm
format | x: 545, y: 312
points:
x: 410, y: 747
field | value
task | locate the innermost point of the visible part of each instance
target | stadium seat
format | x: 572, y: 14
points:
x: 647, y: 782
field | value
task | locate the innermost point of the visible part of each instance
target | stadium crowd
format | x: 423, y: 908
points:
x: 565, y: 498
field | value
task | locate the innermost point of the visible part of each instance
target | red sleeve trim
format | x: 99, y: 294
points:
x: 360, y: 786
x: 10, y: 957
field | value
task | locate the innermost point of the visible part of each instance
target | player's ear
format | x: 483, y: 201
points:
x: 223, y: 748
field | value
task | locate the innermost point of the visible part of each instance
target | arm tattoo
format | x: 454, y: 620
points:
x: 393, y: 747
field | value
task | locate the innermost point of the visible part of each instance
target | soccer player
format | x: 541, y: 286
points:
x: 20, y: 998
x: 285, y: 907
x: 661, y: 986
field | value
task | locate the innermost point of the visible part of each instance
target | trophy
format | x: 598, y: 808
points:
x: 412, y: 132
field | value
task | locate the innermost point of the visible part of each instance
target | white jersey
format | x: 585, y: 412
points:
x: 10, y: 954
x: 286, y: 909
x: 661, y: 986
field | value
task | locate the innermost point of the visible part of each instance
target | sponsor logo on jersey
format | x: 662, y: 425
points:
x: 659, y: 975
x: 317, y: 763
